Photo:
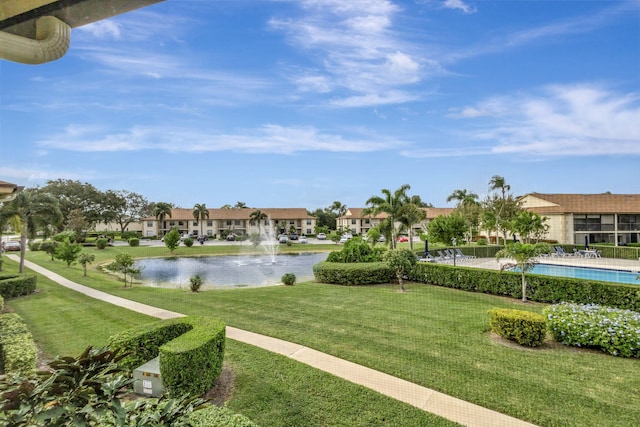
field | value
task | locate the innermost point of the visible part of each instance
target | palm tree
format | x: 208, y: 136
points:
x: 408, y: 215
x: 255, y: 218
x: 390, y: 203
x: 463, y: 197
x: 160, y: 211
x: 498, y: 182
x: 525, y: 258
x: 32, y: 210
x: 200, y: 212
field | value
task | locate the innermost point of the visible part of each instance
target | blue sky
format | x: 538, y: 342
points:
x: 299, y: 103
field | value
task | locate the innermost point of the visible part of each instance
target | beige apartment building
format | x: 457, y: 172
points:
x: 358, y: 223
x: 237, y: 221
x: 593, y: 218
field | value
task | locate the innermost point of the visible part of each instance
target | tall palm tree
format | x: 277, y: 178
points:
x: 255, y: 217
x: 161, y: 211
x: 200, y: 212
x: 498, y: 182
x: 389, y: 203
x: 408, y: 215
x: 463, y: 197
x: 32, y: 210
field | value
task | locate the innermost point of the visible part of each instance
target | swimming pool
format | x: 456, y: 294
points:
x: 616, y: 276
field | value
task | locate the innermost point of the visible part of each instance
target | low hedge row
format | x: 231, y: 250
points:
x: 524, y: 327
x: 540, y: 288
x: 614, y: 331
x: 191, y: 351
x: 15, y: 285
x: 364, y: 273
x: 17, y: 349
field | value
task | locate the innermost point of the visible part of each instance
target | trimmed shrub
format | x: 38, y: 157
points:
x: 134, y: 241
x: 17, y: 349
x: 34, y: 246
x: 191, y: 351
x: 219, y: 417
x: 349, y: 274
x: 188, y: 242
x: 101, y: 243
x: 613, y: 331
x: 195, y: 283
x: 524, y: 327
x: 16, y: 285
x: 540, y: 288
x: 289, y: 279
x: 482, y: 242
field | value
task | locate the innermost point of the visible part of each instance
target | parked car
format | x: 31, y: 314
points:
x: 403, y: 239
x: 382, y: 239
x: 11, y: 246
x: 302, y: 239
x: 344, y: 239
x: 321, y: 236
x: 231, y: 237
x: 283, y: 238
x: 293, y: 236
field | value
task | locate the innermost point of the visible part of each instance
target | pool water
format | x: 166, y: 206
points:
x: 616, y: 276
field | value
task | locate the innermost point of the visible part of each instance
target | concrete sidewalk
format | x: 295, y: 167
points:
x: 445, y: 406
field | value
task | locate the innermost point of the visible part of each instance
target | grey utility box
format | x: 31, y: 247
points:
x: 148, y: 381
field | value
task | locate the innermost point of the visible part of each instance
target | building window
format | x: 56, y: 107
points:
x: 292, y: 222
x: 308, y: 231
x: 367, y: 221
x: 209, y: 232
x: 209, y: 223
x: 171, y: 223
x: 237, y: 222
x: 628, y: 222
x: 149, y: 223
x: 229, y: 222
x: 353, y: 222
x: 195, y: 223
x: 180, y: 223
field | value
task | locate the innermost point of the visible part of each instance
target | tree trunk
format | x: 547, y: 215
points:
x: 524, y: 287
x: 399, y: 276
x: 23, y: 246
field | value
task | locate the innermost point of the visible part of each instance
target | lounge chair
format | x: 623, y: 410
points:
x: 428, y: 258
x: 463, y: 256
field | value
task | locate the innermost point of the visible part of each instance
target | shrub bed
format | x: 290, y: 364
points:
x: 191, y: 351
x: 15, y: 285
x: 134, y: 242
x: 17, y: 349
x: 547, y: 289
x: 364, y: 273
x: 524, y: 327
x: 613, y: 331
x: 219, y: 417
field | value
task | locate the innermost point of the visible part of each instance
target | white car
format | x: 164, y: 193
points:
x: 344, y: 239
x: 321, y: 236
x: 302, y: 239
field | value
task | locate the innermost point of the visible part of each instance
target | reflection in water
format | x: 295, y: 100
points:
x: 227, y: 271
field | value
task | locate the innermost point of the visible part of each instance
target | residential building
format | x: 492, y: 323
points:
x: 234, y: 220
x: 358, y: 223
x: 588, y: 218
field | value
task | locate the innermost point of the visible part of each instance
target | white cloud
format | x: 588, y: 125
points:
x: 458, y: 5
x: 561, y: 120
x: 107, y: 29
x: 270, y: 138
x: 357, y: 50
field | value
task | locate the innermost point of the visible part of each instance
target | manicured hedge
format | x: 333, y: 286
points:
x: 524, y: 327
x: 191, y: 351
x: 350, y: 274
x: 219, y: 417
x: 15, y: 285
x: 540, y: 288
x: 614, y: 331
x: 17, y: 349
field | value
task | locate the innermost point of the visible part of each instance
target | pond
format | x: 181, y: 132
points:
x: 228, y: 271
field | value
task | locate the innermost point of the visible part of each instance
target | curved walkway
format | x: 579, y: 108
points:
x: 429, y: 400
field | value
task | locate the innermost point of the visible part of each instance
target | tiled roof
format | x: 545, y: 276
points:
x: 582, y: 203
x: 431, y: 213
x: 183, y: 214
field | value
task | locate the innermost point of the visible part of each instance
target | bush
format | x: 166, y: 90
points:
x: 102, y: 243
x: 188, y: 242
x: 134, y: 242
x: 357, y: 250
x: 546, y: 289
x: 191, y: 351
x: 49, y: 246
x: 614, y: 331
x: 65, y: 235
x: 365, y: 273
x: 126, y: 235
x: 195, y: 283
x: 219, y: 417
x: 17, y: 349
x: 34, y: 246
x: 16, y: 285
x: 524, y: 327
x: 482, y: 242
x: 289, y: 279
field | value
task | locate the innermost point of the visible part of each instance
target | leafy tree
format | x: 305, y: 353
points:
x: 124, y: 264
x: 446, y: 228
x: 355, y: 250
x: 255, y: 239
x: 172, y: 239
x: 409, y: 215
x: 226, y: 206
x: 35, y: 210
x: 402, y: 261
x: 49, y: 246
x: 338, y: 208
x: 390, y: 203
x: 498, y: 213
x: 528, y: 224
x: 525, y: 256
x: 161, y: 210
x: 74, y: 195
x: 124, y: 207
x: 200, y: 213
x: 68, y: 252
x: 195, y: 283
x: 325, y: 220
x: 416, y: 200
x: 77, y: 222
x: 256, y: 217
x: 85, y: 259
x: 467, y: 206
x: 240, y: 205
x: 373, y: 236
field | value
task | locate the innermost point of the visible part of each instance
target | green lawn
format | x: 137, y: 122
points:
x: 432, y: 336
